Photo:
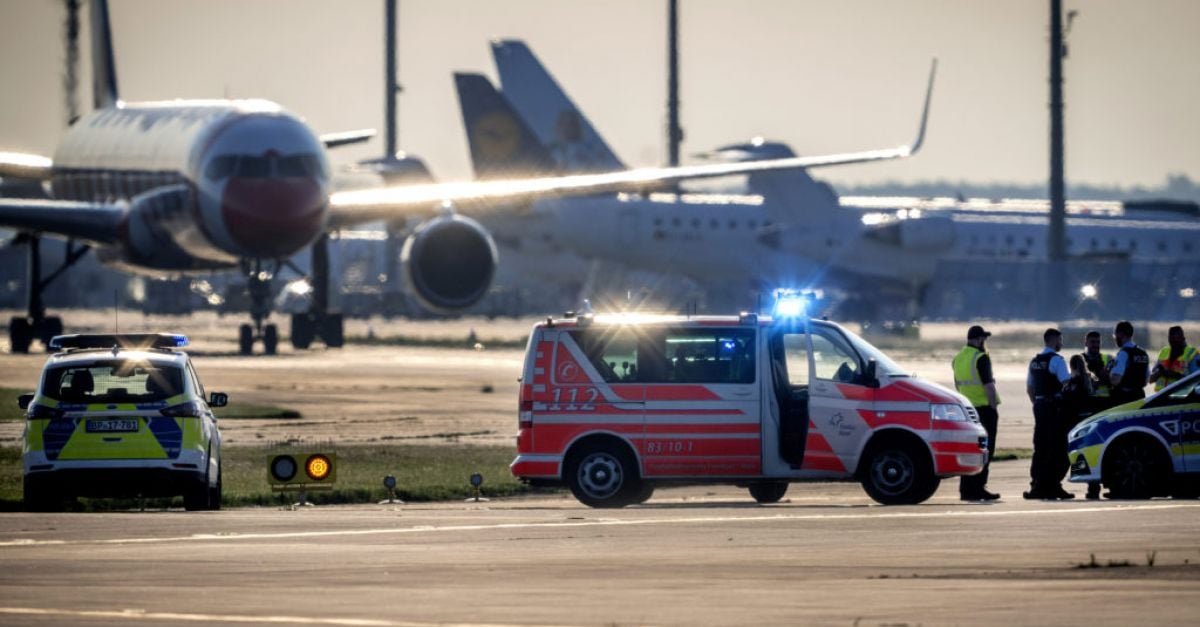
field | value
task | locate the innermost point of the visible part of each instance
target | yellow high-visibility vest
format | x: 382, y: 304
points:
x: 1173, y: 369
x: 966, y: 376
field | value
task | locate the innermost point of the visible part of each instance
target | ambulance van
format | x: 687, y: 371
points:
x: 614, y: 405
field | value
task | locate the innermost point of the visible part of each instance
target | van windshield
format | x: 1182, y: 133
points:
x: 883, y: 365
x: 112, y: 381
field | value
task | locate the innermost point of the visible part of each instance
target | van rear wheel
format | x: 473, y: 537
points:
x: 603, y: 474
x: 768, y: 491
x: 898, y: 473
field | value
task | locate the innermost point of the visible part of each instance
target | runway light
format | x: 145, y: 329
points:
x: 318, y: 467
x: 1088, y: 291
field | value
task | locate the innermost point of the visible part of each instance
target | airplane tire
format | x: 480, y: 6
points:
x: 49, y: 328
x: 245, y: 339
x: 20, y: 334
x: 302, y: 331
x: 270, y: 339
x: 332, y: 330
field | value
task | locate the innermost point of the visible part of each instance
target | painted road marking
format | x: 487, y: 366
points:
x: 599, y: 522
x: 133, y: 614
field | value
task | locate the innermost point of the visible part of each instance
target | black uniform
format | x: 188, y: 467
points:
x: 1133, y: 380
x: 1050, y: 462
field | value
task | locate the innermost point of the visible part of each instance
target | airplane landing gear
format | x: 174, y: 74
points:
x: 258, y: 285
x: 36, y: 325
x: 318, y: 321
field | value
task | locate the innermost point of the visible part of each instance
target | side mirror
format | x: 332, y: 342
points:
x: 218, y: 399
x: 869, y: 376
x: 24, y: 400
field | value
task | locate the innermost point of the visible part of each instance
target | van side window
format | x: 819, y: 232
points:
x: 700, y: 355
x: 833, y: 359
x: 795, y: 353
x: 612, y: 351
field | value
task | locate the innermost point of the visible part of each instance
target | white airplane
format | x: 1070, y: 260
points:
x: 180, y: 186
x: 794, y: 230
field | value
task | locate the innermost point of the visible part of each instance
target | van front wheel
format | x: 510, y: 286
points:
x: 603, y: 475
x: 897, y: 473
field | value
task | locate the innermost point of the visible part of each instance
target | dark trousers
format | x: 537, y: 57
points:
x: 1050, y: 463
x: 973, y: 485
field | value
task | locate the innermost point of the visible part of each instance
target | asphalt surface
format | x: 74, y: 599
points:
x: 695, y: 555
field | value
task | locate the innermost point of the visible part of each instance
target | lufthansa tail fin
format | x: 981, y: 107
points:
x: 558, y: 123
x: 502, y: 145
x: 104, y: 71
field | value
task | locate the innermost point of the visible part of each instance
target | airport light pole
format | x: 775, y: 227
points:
x: 674, y: 131
x: 1058, y: 202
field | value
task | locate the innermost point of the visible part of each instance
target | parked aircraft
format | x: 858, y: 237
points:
x: 181, y: 186
x: 905, y: 248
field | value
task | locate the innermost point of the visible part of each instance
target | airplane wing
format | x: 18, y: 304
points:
x: 355, y: 207
x: 93, y: 222
x: 345, y: 138
x: 24, y: 166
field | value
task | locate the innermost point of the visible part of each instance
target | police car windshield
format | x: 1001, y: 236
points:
x: 883, y: 365
x: 112, y: 381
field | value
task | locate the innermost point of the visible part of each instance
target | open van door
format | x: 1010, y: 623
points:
x: 789, y: 351
x: 841, y: 389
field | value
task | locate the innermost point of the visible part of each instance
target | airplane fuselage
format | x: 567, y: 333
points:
x: 246, y: 180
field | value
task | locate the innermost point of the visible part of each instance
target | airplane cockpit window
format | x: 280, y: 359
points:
x: 253, y: 167
x: 220, y: 167
x: 259, y: 167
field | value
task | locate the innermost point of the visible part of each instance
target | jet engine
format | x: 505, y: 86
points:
x: 449, y: 263
x: 916, y: 233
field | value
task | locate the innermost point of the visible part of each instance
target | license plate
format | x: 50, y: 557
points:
x: 112, y: 426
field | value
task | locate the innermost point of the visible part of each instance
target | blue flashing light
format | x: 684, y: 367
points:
x: 790, y: 303
x: 121, y: 341
x: 180, y: 340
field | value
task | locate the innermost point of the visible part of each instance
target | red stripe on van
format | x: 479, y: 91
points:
x: 823, y: 461
x: 680, y: 393
x: 535, y: 469
x: 702, y: 428
x: 856, y: 392
x: 676, y: 448
x: 703, y: 466
x: 918, y: 420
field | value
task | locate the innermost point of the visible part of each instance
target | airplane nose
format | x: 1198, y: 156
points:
x: 271, y: 218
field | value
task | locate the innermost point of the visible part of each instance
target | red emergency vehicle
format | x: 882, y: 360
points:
x: 613, y: 405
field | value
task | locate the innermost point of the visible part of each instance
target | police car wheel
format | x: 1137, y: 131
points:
x: 1136, y: 468
x: 603, y: 475
x: 768, y: 491
x: 897, y: 473
x: 38, y: 499
x: 214, y: 493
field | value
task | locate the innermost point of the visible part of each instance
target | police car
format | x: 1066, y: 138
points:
x: 614, y: 405
x: 1145, y: 448
x: 121, y: 416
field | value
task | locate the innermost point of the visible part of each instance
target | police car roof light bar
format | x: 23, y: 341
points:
x: 122, y: 340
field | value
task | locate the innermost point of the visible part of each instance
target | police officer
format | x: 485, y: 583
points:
x: 1129, y: 371
x: 1098, y: 363
x: 973, y: 378
x: 1174, y: 360
x: 1044, y: 384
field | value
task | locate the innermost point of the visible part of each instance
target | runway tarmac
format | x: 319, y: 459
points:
x: 696, y: 555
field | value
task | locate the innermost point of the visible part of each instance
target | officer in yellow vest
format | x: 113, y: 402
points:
x: 1174, y: 360
x: 974, y: 379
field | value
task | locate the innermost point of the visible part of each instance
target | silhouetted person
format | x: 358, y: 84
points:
x: 1131, y: 367
x: 1048, y: 374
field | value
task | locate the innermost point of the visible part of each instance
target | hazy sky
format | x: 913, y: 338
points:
x: 822, y: 76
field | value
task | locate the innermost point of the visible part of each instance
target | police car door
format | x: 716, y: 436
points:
x: 837, y: 392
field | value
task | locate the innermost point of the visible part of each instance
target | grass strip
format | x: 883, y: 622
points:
x: 423, y: 473
x: 10, y: 411
x: 1009, y: 454
x: 434, y: 342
